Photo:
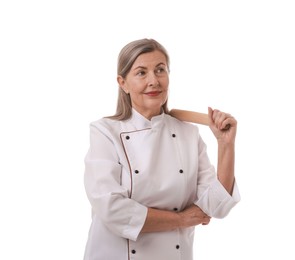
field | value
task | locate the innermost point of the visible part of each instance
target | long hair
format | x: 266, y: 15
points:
x: 126, y: 58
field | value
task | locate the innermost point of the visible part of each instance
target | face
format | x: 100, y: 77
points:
x: 147, y: 83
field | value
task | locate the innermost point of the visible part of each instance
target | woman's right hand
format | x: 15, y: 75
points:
x: 193, y: 216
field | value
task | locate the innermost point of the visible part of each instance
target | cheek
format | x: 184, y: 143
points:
x: 165, y: 83
x: 135, y: 86
x: 137, y: 91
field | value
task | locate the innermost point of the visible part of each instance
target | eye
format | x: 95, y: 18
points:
x: 140, y: 73
x: 160, y: 70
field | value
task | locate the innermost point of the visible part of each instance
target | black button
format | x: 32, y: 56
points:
x: 133, y: 251
x: 173, y: 135
x: 136, y: 171
x: 177, y: 246
x: 175, y: 209
x: 127, y: 137
x: 180, y: 171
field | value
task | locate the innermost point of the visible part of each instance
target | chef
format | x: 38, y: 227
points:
x: 147, y: 175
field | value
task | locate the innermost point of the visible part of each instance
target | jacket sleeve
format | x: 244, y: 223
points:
x: 212, y: 197
x: 109, y: 199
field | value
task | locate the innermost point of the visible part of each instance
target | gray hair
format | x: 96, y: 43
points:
x: 126, y: 58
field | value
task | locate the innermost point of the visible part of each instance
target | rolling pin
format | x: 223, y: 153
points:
x: 193, y: 117
x: 190, y: 116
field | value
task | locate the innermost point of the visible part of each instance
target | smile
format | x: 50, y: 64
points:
x: 153, y: 93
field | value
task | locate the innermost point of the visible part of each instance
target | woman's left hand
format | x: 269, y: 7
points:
x: 223, y: 126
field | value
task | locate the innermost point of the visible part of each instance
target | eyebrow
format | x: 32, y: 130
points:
x: 142, y: 67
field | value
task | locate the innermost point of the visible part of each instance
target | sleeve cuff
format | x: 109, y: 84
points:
x: 136, y: 223
x: 216, y: 201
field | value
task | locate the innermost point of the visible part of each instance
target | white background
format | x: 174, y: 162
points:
x: 58, y: 73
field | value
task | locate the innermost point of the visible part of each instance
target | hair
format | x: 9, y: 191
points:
x: 126, y: 58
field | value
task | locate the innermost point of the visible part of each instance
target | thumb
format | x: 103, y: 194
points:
x: 210, y: 115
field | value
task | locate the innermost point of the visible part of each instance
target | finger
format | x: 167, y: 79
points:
x: 206, y: 221
x: 214, y: 116
x: 220, y: 120
x: 228, y: 122
x: 210, y: 115
x: 225, y: 125
x: 218, y: 117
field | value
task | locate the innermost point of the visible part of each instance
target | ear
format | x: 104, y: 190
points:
x: 122, y: 84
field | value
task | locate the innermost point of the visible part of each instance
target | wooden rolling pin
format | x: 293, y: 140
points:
x: 190, y: 116
x: 193, y: 117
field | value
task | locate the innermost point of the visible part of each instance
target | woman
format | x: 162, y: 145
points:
x: 147, y: 175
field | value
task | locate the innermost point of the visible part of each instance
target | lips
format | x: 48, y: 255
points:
x: 153, y: 93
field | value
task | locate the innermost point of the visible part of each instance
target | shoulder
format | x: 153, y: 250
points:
x: 182, y: 125
x: 106, y: 126
x: 105, y: 123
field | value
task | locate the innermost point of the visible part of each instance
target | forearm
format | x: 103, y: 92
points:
x: 226, y: 166
x: 160, y: 220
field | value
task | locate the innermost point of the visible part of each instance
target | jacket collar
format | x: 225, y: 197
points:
x: 140, y: 122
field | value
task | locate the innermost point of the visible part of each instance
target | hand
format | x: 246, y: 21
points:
x: 193, y: 216
x: 223, y: 125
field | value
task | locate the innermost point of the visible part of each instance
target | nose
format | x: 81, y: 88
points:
x: 153, y: 80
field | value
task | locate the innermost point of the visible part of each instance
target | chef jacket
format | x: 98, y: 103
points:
x: 138, y: 163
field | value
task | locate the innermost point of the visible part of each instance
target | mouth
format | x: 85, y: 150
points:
x: 153, y: 93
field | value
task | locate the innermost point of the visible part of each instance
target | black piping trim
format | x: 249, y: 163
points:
x: 130, y: 172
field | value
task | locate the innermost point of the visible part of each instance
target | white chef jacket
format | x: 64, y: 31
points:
x: 138, y: 163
